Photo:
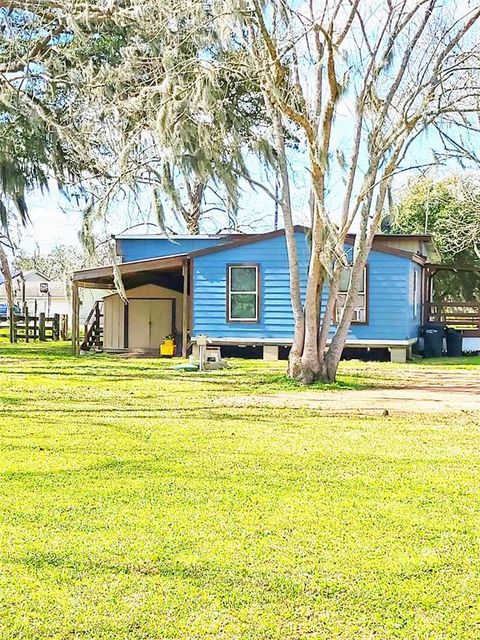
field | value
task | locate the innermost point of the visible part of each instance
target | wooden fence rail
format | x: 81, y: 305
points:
x: 36, y: 327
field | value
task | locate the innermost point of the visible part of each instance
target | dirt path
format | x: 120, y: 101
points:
x: 425, y: 391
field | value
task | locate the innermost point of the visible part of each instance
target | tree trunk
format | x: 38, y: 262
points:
x: 294, y: 359
x: 329, y: 310
x: 334, y: 354
x: 7, y: 275
x: 195, y: 210
x: 310, y: 365
x: 361, y: 250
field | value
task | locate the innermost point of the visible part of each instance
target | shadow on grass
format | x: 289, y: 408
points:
x: 344, y: 382
x: 232, y: 379
x: 464, y: 361
x: 37, y: 474
x: 55, y: 359
x: 50, y: 350
x: 171, y: 568
x: 9, y: 400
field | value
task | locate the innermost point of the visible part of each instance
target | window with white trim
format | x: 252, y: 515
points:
x: 416, y: 294
x: 360, y: 309
x: 243, y: 303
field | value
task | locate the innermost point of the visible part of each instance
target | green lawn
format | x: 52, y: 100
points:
x: 134, y: 507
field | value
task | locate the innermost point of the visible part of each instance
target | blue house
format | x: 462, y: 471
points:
x: 235, y: 290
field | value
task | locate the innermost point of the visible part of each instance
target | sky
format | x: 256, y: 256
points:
x: 55, y: 221
x: 49, y: 225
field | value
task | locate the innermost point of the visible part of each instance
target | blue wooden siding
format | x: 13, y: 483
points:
x: 390, y: 312
x: 390, y: 295
x: 143, y: 248
x: 210, y: 289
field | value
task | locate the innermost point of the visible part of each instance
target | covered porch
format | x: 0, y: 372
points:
x: 158, y: 303
x: 463, y: 315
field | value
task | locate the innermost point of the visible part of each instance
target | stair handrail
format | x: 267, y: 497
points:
x: 92, y: 322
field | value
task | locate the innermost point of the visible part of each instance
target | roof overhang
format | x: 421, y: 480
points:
x: 173, y: 238
x: 131, y: 272
x: 433, y: 267
x: 405, y: 236
x: 350, y: 239
x: 139, y: 270
x: 401, y: 253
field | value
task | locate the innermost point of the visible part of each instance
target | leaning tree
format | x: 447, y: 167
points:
x: 370, y: 86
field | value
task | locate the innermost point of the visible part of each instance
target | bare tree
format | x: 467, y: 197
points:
x: 397, y: 69
x: 357, y: 82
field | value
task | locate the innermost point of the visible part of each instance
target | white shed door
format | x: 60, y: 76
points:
x: 149, y: 321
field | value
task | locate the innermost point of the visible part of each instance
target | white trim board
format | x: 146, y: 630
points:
x: 285, y: 342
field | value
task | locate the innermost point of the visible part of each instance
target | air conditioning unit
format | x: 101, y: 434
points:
x: 358, y: 315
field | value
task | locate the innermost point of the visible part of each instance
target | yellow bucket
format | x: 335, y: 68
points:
x: 167, y: 348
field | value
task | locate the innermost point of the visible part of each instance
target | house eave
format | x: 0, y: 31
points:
x: 174, y: 238
x: 105, y: 275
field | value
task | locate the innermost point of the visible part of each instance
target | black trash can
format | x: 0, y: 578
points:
x: 454, y: 343
x: 433, y: 333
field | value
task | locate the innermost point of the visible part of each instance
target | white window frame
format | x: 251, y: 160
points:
x: 356, y: 314
x: 416, y: 294
x: 231, y: 267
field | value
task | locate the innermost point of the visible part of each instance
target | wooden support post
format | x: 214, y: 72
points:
x: 27, y: 320
x: 125, y: 325
x: 63, y: 327
x: 13, y: 326
x: 185, y: 271
x: 56, y: 326
x: 75, y: 318
x: 97, y: 320
x: 35, y: 327
x: 426, y: 294
x: 41, y: 328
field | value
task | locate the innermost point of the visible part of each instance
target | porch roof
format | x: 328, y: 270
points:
x: 433, y: 267
x: 133, y: 273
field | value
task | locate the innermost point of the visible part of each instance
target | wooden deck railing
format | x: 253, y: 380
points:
x: 457, y: 315
x: 93, y: 334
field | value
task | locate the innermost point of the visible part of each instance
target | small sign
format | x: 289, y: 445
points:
x: 44, y: 287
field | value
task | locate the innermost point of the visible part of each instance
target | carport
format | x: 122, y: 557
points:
x: 170, y: 273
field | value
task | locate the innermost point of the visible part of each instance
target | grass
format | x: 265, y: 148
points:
x: 135, y: 506
x: 464, y: 362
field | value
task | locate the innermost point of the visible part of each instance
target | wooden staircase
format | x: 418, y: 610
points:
x: 93, y: 334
